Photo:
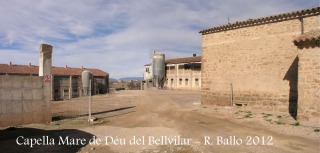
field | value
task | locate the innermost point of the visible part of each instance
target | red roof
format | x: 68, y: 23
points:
x: 34, y: 70
x: 184, y: 60
x: 181, y: 60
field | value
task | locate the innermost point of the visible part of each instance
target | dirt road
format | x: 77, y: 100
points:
x: 175, y: 113
x: 169, y: 121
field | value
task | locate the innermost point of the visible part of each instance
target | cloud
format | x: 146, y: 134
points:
x: 117, y: 36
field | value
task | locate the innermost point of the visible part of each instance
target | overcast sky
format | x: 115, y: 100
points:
x: 117, y: 36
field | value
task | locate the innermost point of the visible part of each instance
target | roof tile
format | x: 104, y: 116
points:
x: 34, y: 70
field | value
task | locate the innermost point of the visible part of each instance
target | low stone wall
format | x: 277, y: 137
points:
x: 23, y: 100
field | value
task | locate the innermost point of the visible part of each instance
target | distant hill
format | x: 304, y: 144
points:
x: 131, y: 78
x: 113, y: 80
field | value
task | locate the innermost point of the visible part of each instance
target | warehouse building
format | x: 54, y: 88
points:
x: 66, y: 81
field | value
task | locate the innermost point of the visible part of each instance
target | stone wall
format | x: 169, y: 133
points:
x: 309, y: 84
x: 256, y: 64
x: 22, y: 100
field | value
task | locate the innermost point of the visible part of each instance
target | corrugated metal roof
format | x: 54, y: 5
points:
x: 34, y: 70
x: 264, y: 20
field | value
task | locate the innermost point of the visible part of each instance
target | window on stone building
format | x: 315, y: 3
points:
x: 196, y: 81
x: 180, y: 82
x: 172, y: 82
x: 186, y: 82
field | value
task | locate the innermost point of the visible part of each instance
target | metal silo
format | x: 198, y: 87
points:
x: 86, y: 77
x: 158, y: 68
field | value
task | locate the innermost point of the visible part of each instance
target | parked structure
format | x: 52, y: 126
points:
x: 255, y: 63
x: 66, y: 81
x: 180, y: 73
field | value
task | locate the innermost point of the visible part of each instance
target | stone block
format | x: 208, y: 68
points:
x: 6, y: 94
x: 16, y: 119
x: 283, y: 109
x: 27, y: 94
x: 37, y: 83
x: 27, y: 118
x: 9, y: 108
x: 3, y: 108
x: 37, y: 116
x: 6, y: 82
x: 17, y: 94
x: 28, y: 106
x: 37, y: 94
x: 17, y: 107
x: 17, y: 81
x: 28, y: 83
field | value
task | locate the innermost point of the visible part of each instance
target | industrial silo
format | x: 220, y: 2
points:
x: 86, y: 77
x: 158, y: 69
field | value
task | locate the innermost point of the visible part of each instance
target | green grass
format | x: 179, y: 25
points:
x: 248, y: 115
x: 295, y: 124
x: 279, y: 116
x: 279, y: 123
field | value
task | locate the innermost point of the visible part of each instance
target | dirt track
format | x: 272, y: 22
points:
x: 168, y: 113
x: 152, y: 115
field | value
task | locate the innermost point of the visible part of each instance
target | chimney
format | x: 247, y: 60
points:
x: 194, y: 55
x: 10, y: 63
x: 66, y: 66
x: 29, y: 64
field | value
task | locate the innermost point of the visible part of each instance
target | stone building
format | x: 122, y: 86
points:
x: 256, y: 63
x: 309, y: 75
x: 66, y: 81
x: 181, y: 73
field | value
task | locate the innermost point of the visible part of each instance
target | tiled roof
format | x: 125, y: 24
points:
x: 34, y: 70
x: 183, y: 60
x: 264, y: 20
x: 308, y: 36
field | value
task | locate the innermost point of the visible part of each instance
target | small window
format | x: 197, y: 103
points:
x: 181, y: 66
x: 66, y: 90
x: 186, y: 82
x: 56, y: 90
x: 147, y: 69
x: 196, y: 82
x: 180, y: 82
x: 75, y: 90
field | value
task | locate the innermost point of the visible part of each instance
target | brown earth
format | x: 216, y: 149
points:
x: 151, y: 115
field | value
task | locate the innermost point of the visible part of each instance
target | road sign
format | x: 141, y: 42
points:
x: 47, y: 79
